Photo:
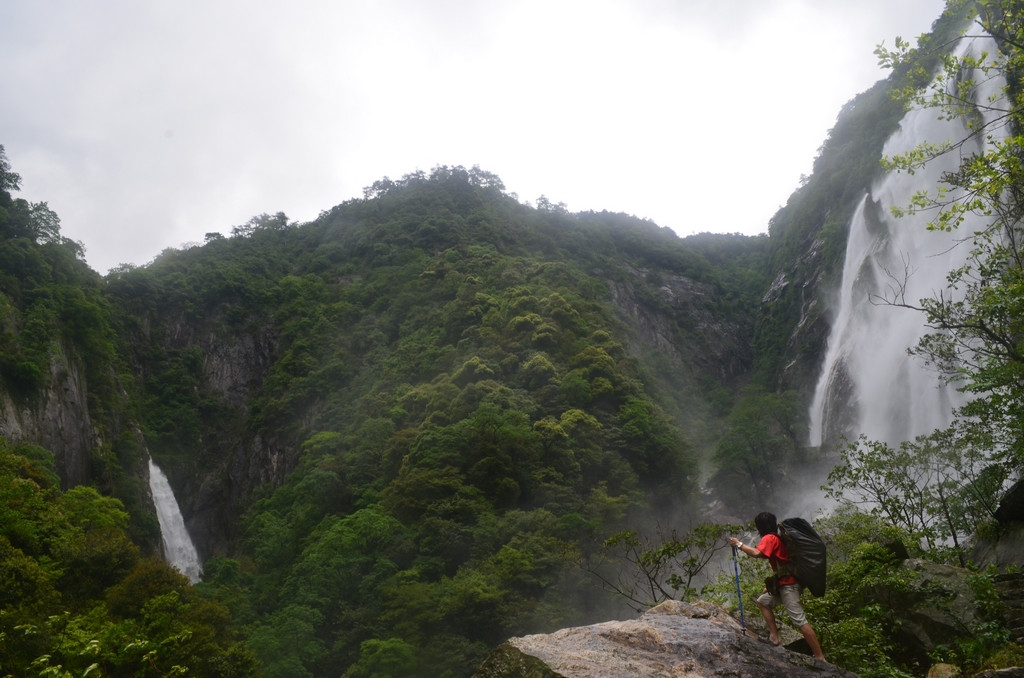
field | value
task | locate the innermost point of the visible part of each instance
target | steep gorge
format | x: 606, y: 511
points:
x: 390, y: 424
x: 208, y: 345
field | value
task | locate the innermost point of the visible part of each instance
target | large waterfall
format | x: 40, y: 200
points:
x: 868, y: 383
x: 179, y: 551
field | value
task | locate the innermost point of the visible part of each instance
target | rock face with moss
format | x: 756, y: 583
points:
x: 698, y: 640
x: 56, y: 416
x: 1002, y: 544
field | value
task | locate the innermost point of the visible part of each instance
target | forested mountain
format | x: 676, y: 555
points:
x: 415, y: 413
x: 430, y: 402
x: 412, y: 427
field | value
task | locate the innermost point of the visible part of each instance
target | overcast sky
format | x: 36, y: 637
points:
x: 146, y: 124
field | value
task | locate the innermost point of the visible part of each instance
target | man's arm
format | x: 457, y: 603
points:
x: 744, y: 548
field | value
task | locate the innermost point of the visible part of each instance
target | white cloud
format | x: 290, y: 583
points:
x: 146, y: 125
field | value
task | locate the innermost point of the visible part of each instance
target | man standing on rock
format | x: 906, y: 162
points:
x: 787, y: 590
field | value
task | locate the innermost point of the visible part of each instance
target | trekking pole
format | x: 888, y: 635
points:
x: 739, y: 594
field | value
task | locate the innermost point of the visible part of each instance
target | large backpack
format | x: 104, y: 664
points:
x: 806, y: 552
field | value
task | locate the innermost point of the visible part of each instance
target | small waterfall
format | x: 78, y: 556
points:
x: 868, y: 382
x: 179, y: 551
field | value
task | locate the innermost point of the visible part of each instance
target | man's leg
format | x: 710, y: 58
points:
x: 769, y: 620
x: 790, y: 595
x: 812, y: 640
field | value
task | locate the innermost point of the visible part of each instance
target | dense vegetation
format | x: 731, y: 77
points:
x: 452, y: 394
x: 435, y: 407
x: 77, y: 598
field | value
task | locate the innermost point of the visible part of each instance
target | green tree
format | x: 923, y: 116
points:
x: 76, y: 599
x: 9, y: 180
x: 287, y: 642
x: 759, y: 442
x: 387, y: 658
x: 650, y: 569
x: 933, y: 488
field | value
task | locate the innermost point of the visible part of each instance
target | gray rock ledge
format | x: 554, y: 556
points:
x: 673, y: 640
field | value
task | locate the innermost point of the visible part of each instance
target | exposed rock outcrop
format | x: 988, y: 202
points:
x: 234, y: 368
x: 677, y: 639
x: 1003, y: 545
x: 799, y: 289
x: 55, y: 417
x: 1010, y: 589
x: 940, y: 608
x: 678, y: 314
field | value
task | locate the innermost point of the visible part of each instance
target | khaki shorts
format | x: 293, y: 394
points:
x: 789, y: 595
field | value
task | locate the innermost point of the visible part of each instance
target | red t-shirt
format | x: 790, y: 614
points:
x: 772, y: 548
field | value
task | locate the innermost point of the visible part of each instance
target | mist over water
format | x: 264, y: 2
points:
x: 868, y: 383
x: 179, y: 551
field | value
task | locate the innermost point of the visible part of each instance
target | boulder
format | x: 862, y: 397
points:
x: 682, y: 640
x: 938, y: 610
x: 943, y: 671
x: 1002, y: 544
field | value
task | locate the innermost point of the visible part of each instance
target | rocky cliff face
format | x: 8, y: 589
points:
x: 674, y: 639
x: 55, y: 417
x: 803, y: 286
x: 684, y: 348
x: 1003, y: 544
x: 677, y: 324
x: 233, y: 461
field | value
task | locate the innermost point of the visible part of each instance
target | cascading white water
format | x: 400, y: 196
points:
x: 179, y: 551
x: 869, y: 384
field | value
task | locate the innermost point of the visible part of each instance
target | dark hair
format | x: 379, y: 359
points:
x: 766, y: 523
